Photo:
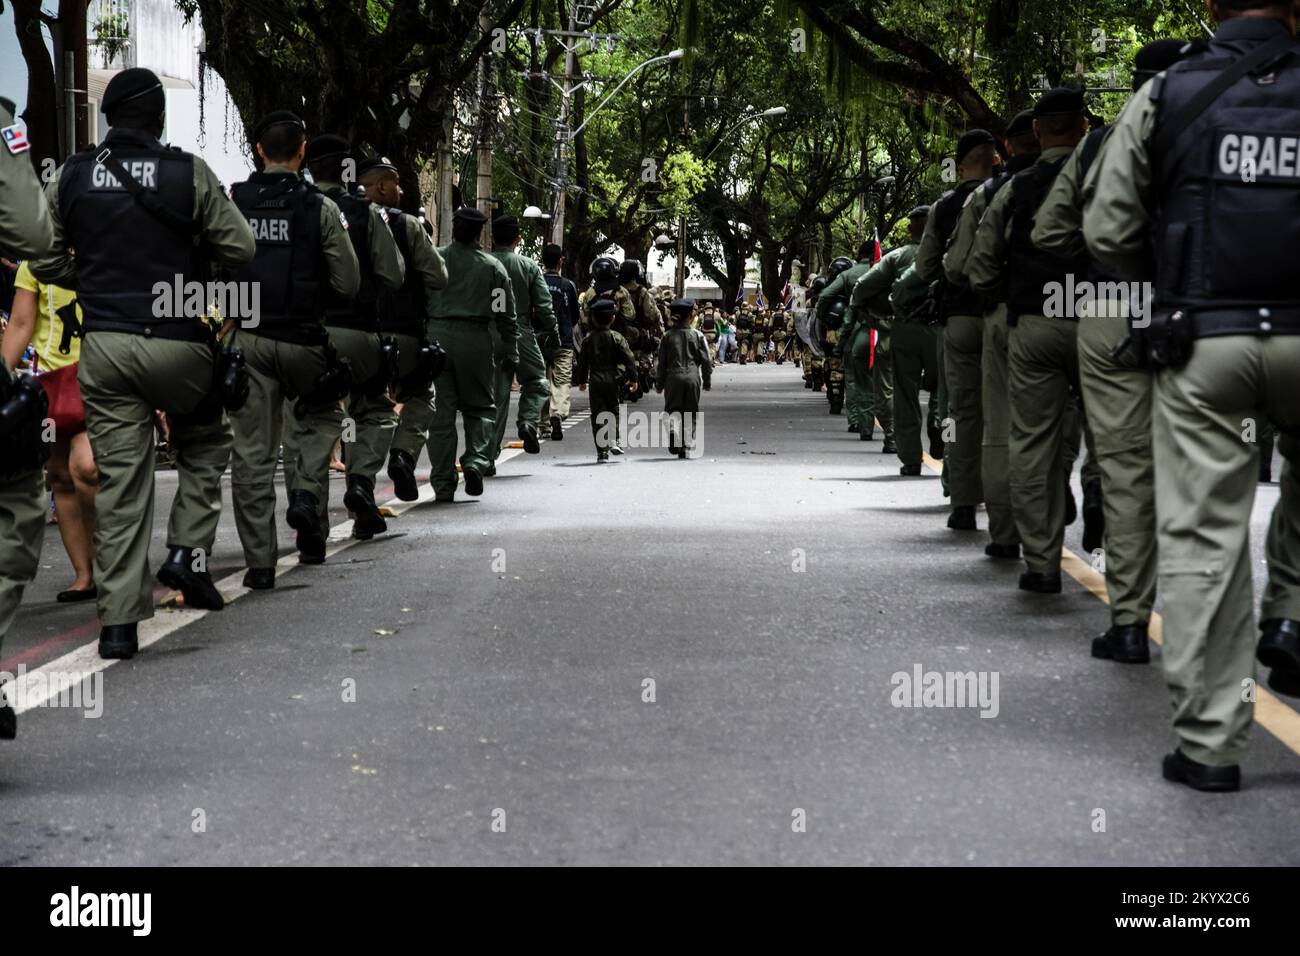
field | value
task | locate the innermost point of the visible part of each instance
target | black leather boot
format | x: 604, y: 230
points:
x: 557, y: 431
x: 259, y: 579
x: 118, y: 642
x: 1199, y: 776
x: 529, y: 437
x: 962, y: 518
x: 995, y: 550
x: 1094, y: 517
x: 8, y: 716
x: 178, y: 572
x: 303, y: 518
x: 1041, y: 583
x: 1125, y: 644
x: 360, y: 500
x: 401, y: 471
x: 1279, y: 644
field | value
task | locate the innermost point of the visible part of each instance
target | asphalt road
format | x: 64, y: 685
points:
x: 472, y: 687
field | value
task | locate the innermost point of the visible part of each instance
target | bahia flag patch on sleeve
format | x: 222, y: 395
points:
x: 15, y: 138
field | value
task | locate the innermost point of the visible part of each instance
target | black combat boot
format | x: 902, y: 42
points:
x: 910, y: 471
x: 401, y: 471
x: 1199, y: 776
x: 1003, y: 551
x: 528, y: 436
x: 1094, y: 517
x: 854, y: 429
x: 118, y: 642
x: 259, y: 579
x: 1071, y: 508
x: 888, y: 447
x: 8, y: 716
x: 936, y: 443
x: 473, y: 482
x: 1040, y: 583
x: 185, y: 570
x: 1126, y: 644
x: 360, y: 500
x: 557, y: 432
x: 304, y: 518
x: 1279, y: 644
x: 962, y: 518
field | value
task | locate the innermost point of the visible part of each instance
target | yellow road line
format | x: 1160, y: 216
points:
x: 1274, y: 715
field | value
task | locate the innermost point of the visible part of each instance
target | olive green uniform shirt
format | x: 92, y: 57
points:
x: 929, y: 255
x: 478, y: 289
x: 385, y: 259
x: 423, y: 255
x: 871, y: 291
x: 1116, y: 215
x: 25, y: 227
x: 531, y: 294
x: 986, y: 261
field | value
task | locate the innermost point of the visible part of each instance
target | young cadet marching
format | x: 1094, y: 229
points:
x: 535, y: 317
x: 463, y: 316
x: 1021, y: 147
x: 1043, y: 368
x: 365, y: 422
x: 26, y: 232
x: 304, y: 260
x: 1118, y: 389
x: 1219, y: 132
x: 138, y: 213
x: 404, y: 315
x: 606, y: 366
x: 857, y: 387
x: 962, y: 318
x: 684, y: 366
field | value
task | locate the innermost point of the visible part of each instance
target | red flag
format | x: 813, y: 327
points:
x: 875, y: 256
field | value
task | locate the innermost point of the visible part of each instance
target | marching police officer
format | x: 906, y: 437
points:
x: 25, y: 231
x: 961, y: 313
x: 832, y: 310
x: 857, y: 393
x: 1118, y: 388
x: 353, y: 324
x: 535, y: 317
x: 478, y: 298
x: 404, y: 315
x: 1043, y: 369
x: 1217, y: 131
x: 304, y: 261
x: 140, y: 215
x: 1021, y: 147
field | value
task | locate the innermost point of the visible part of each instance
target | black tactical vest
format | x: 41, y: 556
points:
x: 122, y: 250
x: 1228, y: 216
x: 289, y: 265
x: 362, y: 312
x: 1031, y: 272
x: 957, y: 299
x: 405, y: 311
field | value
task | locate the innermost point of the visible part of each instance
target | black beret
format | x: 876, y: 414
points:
x: 1021, y: 123
x: 602, y: 307
x: 681, y: 305
x: 129, y: 85
x: 502, y: 223
x: 326, y: 146
x: 1157, y: 56
x: 920, y: 212
x: 374, y: 162
x: 973, y: 139
x: 274, y: 119
x: 469, y: 214
x: 1059, y: 101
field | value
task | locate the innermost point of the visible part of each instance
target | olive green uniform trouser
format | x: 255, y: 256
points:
x: 916, y: 353
x: 995, y: 468
x: 23, y: 504
x: 1205, y: 488
x: 1282, y: 547
x: 534, y: 390
x: 882, y: 376
x: 275, y: 370
x: 365, y: 424
x: 417, y: 407
x: 963, y: 442
x: 936, y: 422
x: 857, y: 380
x: 1117, y: 396
x: 467, y: 385
x: 124, y: 378
x: 1043, y: 381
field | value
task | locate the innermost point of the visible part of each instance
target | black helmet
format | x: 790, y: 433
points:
x: 604, y: 274
x: 835, y: 310
x: 631, y: 271
x: 818, y: 284
x: 837, y: 266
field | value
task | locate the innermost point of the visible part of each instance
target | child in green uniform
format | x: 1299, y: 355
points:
x: 683, y: 359
x: 605, y: 362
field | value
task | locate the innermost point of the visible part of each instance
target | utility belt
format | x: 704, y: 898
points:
x: 333, y: 385
x: 175, y: 331
x: 430, y: 360
x: 356, y: 323
x: 413, y: 327
x: 1169, y: 340
x: 307, y: 333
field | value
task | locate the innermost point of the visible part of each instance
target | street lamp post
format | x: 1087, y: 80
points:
x: 681, y: 221
x: 564, y: 137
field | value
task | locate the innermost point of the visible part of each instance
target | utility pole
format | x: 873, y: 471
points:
x: 562, y: 129
x: 486, y: 104
x: 679, y: 284
x: 445, y: 191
